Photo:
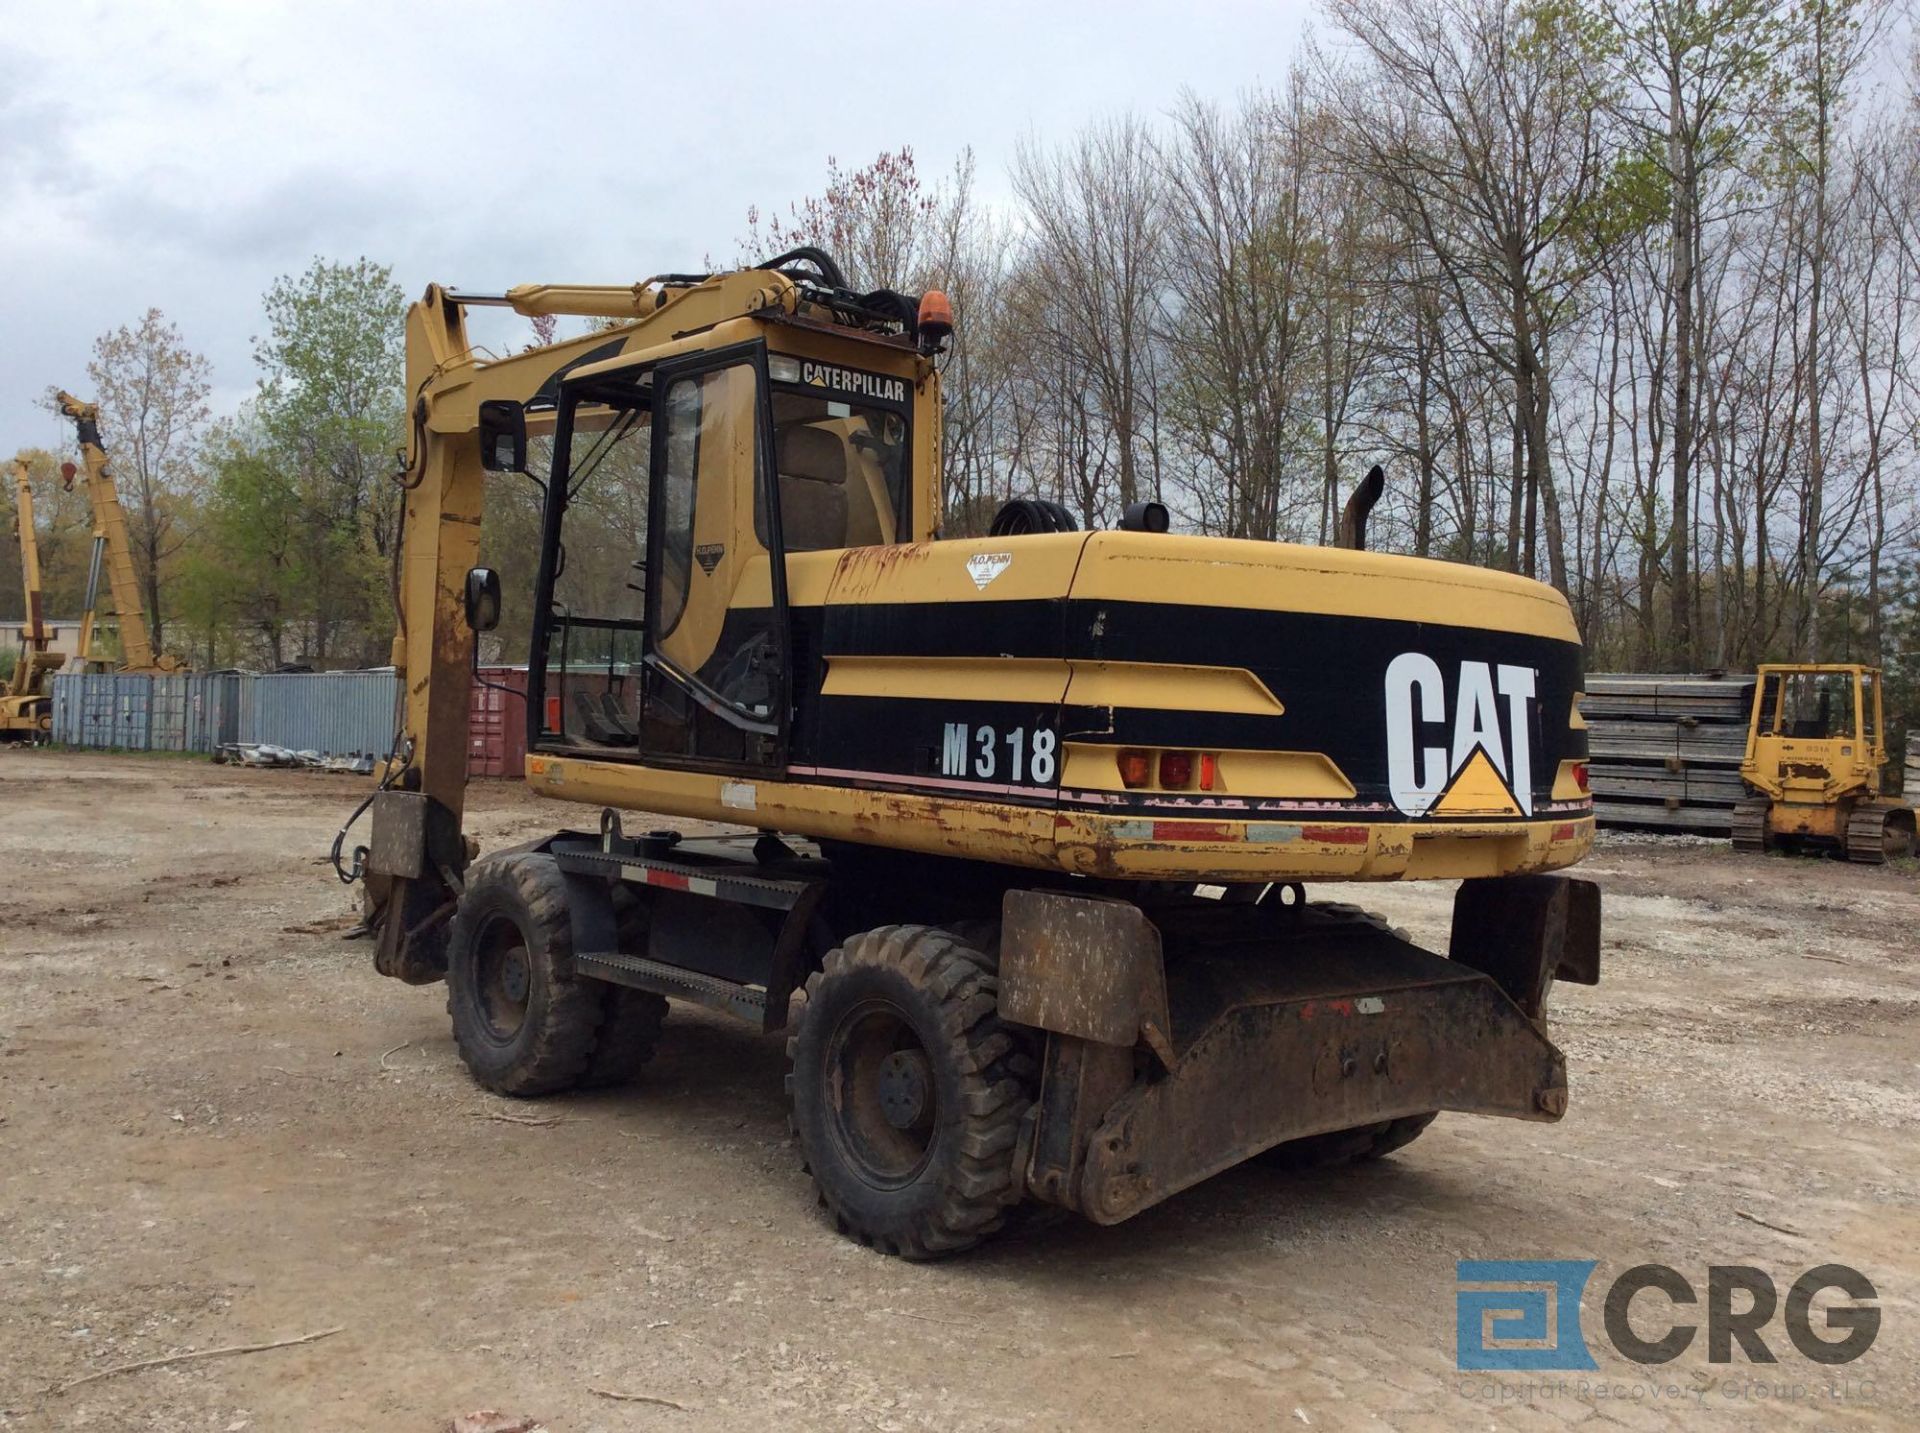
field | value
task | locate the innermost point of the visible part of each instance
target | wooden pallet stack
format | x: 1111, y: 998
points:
x: 1664, y: 750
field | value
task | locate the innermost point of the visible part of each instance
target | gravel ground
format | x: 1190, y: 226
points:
x: 218, y: 1127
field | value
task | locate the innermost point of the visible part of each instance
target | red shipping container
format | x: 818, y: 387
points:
x: 497, y: 723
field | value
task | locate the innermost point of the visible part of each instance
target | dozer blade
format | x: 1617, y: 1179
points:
x: 1260, y: 1025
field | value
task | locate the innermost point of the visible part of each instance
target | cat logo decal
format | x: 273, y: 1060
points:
x: 1463, y: 748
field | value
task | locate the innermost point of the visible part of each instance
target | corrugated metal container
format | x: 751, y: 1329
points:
x: 132, y: 712
x: 97, y: 709
x: 167, y: 713
x: 213, y: 710
x: 497, y: 723
x: 103, y: 710
x: 333, y: 713
x: 66, y: 711
x: 497, y: 720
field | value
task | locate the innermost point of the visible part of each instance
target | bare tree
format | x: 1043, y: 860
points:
x: 152, y: 391
x: 1483, y: 120
x: 1093, y: 272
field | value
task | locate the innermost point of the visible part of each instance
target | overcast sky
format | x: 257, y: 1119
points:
x: 182, y: 155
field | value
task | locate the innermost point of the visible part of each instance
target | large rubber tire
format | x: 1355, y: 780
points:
x: 522, y: 1025
x: 907, y: 1091
x: 1348, y: 1146
x: 629, y: 1034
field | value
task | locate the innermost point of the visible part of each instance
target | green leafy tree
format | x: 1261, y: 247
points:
x: 331, y: 409
x: 254, y: 575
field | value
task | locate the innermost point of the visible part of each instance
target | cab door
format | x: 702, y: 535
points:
x: 714, y: 680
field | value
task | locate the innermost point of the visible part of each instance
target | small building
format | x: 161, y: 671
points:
x: 65, y: 632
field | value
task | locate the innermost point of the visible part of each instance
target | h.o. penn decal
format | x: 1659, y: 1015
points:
x: 983, y: 567
x: 1461, y: 746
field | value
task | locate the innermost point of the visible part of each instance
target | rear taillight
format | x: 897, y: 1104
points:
x: 1136, y: 766
x: 1580, y: 775
x: 1176, y: 770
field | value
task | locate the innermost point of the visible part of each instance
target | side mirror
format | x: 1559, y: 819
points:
x: 503, y: 436
x: 483, y: 599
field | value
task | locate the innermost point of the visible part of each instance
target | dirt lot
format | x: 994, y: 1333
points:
x: 218, y: 1127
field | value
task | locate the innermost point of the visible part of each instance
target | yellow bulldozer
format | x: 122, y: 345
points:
x: 1028, y: 816
x: 1816, y: 750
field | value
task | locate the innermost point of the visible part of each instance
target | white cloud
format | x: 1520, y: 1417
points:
x: 184, y: 155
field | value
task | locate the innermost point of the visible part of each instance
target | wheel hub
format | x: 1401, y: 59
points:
x: 513, y: 976
x: 905, y: 1083
x: 884, y: 1102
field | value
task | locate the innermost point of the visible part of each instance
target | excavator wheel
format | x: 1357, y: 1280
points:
x: 1750, y: 833
x: 906, y: 1090
x: 1878, y: 832
x: 523, y: 1025
x: 1348, y: 1146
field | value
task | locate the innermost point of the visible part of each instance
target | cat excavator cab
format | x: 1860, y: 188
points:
x: 1028, y: 818
x: 1816, y: 751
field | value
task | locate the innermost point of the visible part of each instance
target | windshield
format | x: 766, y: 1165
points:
x: 1809, y: 706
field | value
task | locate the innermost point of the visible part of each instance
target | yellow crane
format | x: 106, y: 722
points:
x: 26, y: 705
x: 1030, y: 814
x: 112, y: 550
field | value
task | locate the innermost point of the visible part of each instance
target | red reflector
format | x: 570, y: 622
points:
x: 1192, y: 831
x: 1176, y: 770
x: 1208, y: 773
x: 1335, y: 835
x: 1564, y: 831
x: 1135, y: 766
x: 553, y: 713
x: 1580, y: 776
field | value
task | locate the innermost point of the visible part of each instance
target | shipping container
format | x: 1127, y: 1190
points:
x: 332, y: 713
x: 497, y: 723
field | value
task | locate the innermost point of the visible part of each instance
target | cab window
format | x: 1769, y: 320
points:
x: 841, y: 473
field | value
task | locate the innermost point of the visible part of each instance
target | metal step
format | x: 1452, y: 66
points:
x: 686, y: 869
x: 749, y: 1002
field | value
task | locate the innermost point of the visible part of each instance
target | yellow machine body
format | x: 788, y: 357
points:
x: 112, y: 552
x: 1816, y: 750
x: 26, y: 706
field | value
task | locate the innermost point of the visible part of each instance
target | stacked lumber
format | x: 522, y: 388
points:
x: 1664, y: 750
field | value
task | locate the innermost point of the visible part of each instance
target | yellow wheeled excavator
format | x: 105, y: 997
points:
x: 26, y: 704
x: 112, y: 551
x: 1029, y: 815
